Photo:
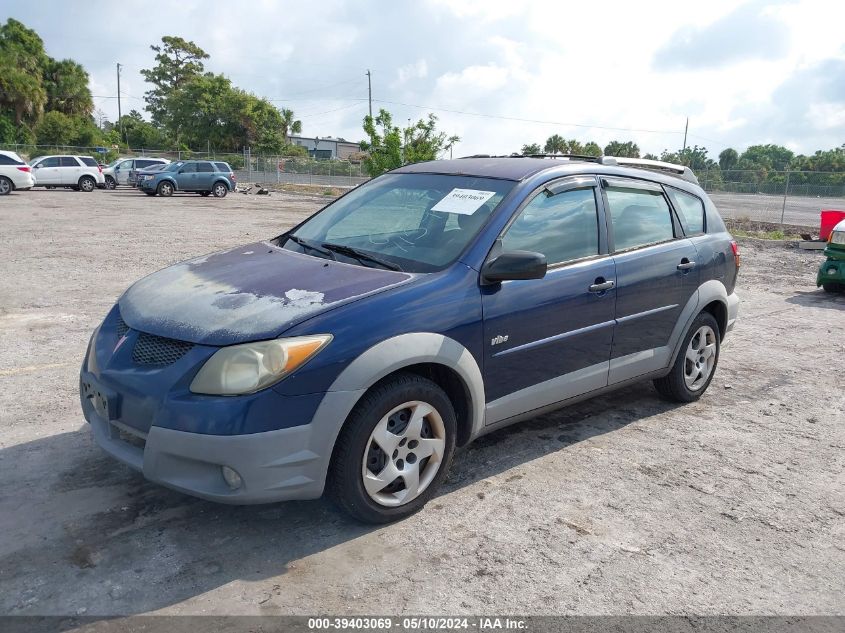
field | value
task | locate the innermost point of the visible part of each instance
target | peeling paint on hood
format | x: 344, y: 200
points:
x: 245, y: 294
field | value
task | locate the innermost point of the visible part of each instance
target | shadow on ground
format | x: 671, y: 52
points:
x: 818, y: 299
x: 90, y: 533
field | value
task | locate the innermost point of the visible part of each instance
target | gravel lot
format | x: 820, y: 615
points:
x: 620, y: 505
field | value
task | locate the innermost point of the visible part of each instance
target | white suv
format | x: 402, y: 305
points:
x: 81, y: 173
x: 14, y: 173
x: 118, y: 172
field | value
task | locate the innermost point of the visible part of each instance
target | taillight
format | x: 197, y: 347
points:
x: 232, y: 175
x: 735, y: 249
x: 25, y: 168
x: 100, y: 168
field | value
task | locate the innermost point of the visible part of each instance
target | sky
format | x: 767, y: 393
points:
x: 499, y: 74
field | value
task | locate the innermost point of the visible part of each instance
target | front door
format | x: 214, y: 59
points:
x: 121, y: 172
x: 47, y: 171
x: 656, y: 276
x: 550, y: 339
x: 186, y: 177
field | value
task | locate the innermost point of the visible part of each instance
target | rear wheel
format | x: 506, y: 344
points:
x: 832, y: 286
x: 6, y: 186
x: 696, y: 363
x: 220, y: 189
x: 87, y: 184
x: 111, y: 183
x: 394, y: 450
x: 165, y: 189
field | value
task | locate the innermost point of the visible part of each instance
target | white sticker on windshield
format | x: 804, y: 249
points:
x: 463, y: 201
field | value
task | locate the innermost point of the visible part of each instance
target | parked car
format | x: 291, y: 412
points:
x: 831, y: 275
x: 421, y: 310
x: 134, y: 174
x: 119, y: 172
x: 81, y: 173
x: 15, y: 174
x: 201, y: 176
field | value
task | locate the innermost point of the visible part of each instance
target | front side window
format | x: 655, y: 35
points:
x: 188, y: 168
x: 415, y: 222
x: 562, y: 227
x: 53, y: 161
x: 639, y: 216
x: 690, y: 208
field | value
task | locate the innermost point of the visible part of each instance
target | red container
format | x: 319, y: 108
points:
x: 830, y: 218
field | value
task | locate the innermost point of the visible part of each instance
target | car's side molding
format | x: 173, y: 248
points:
x: 401, y: 351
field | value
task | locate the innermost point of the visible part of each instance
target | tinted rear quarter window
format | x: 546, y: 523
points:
x: 639, y: 216
x: 223, y: 167
x: 88, y: 161
x: 690, y: 208
x: 9, y: 160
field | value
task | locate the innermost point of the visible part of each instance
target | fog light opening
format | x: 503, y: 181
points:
x: 233, y: 479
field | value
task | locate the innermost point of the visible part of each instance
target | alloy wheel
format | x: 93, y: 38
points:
x: 404, y: 453
x: 5, y: 186
x: 700, y: 358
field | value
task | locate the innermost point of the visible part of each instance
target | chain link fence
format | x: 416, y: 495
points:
x: 775, y: 197
x: 300, y: 171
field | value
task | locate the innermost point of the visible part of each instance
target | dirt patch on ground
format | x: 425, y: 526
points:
x: 622, y: 504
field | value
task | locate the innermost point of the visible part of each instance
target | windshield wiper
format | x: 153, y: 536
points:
x: 311, y: 246
x: 361, y: 256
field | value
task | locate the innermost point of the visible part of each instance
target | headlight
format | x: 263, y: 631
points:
x: 148, y: 177
x: 242, y: 369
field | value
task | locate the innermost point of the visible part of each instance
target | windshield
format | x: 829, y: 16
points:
x: 174, y: 166
x: 413, y: 222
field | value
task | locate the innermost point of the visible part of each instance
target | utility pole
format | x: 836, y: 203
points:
x: 686, y: 127
x: 370, y: 91
x: 119, y: 119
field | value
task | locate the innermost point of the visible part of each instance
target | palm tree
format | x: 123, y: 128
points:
x: 289, y: 125
x: 555, y: 144
x: 67, y: 88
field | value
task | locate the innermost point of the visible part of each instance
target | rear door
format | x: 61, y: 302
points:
x: 69, y: 170
x: 205, y: 175
x: 549, y: 339
x: 656, y: 275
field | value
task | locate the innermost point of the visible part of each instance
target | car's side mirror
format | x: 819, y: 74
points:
x: 38, y: 166
x: 181, y: 171
x: 514, y: 265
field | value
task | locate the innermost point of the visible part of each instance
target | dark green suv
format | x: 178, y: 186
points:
x: 831, y: 274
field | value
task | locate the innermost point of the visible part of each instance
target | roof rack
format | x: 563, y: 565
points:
x: 681, y: 171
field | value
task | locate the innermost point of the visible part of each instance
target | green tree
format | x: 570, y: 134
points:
x: 555, y: 144
x: 650, y: 156
x: 728, y: 158
x: 627, y: 149
x: 290, y: 125
x: 22, y: 59
x: 56, y: 128
x: 591, y: 149
x: 66, y: 85
x: 141, y: 134
x: 532, y: 148
x: 422, y: 141
x: 384, y: 144
x: 177, y: 62
x: 772, y: 157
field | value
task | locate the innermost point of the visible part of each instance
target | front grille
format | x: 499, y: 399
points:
x: 157, y: 350
x: 122, y: 328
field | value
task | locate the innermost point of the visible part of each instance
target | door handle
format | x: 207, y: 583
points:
x: 601, y: 286
x: 686, y: 264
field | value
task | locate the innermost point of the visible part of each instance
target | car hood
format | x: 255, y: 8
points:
x: 244, y: 294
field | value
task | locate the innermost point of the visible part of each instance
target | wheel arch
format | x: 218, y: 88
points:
x: 224, y: 181
x: 711, y: 296
x: 436, y: 357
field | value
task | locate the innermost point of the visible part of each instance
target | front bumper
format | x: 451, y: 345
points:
x: 831, y: 271
x: 280, y: 465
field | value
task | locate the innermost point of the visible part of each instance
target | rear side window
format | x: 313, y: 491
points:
x: 9, y: 160
x: 690, y: 208
x: 562, y: 227
x: 640, y: 217
x: 204, y: 167
x: 68, y: 161
x: 223, y: 167
x: 89, y: 161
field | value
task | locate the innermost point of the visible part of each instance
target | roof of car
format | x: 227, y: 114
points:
x: 521, y: 167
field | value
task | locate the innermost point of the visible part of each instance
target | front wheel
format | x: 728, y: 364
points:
x: 394, y: 450
x: 832, y: 286
x: 87, y: 184
x: 111, y: 183
x: 696, y: 363
x: 220, y: 190
x: 165, y: 189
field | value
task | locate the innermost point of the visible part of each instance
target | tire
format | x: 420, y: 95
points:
x: 110, y: 183
x: 165, y: 189
x: 87, y: 184
x: 204, y: 193
x: 220, y: 189
x: 696, y: 363
x: 6, y: 186
x: 425, y: 419
x: 832, y: 286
